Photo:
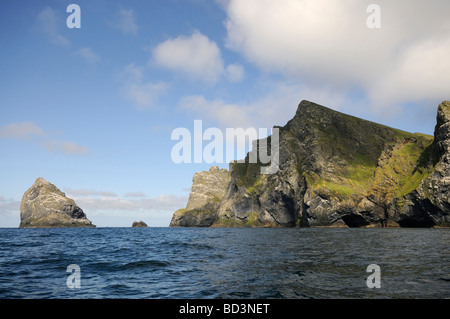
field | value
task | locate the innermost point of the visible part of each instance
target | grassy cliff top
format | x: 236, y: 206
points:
x: 343, y: 155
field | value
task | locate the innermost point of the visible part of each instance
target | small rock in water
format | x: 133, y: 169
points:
x: 139, y: 224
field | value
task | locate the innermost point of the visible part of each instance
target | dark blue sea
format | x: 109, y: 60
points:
x: 237, y: 263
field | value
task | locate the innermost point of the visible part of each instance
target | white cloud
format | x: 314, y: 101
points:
x: 418, y: 75
x: 32, y: 132
x: 277, y: 106
x: 126, y: 22
x: 9, y: 206
x: 144, y: 95
x: 88, y: 192
x: 327, y: 43
x: 162, y: 202
x: 196, y: 56
x: 67, y: 148
x: 227, y: 114
x: 50, y: 23
x: 235, y: 72
x: 24, y: 130
x: 88, y: 55
x: 95, y: 201
x: 133, y: 73
x: 135, y: 194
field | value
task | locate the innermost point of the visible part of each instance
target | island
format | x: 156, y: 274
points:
x: 139, y: 224
x: 334, y: 170
x: 44, y: 205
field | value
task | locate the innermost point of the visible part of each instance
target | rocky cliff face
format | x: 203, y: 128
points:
x: 335, y: 170
x: 208, y: 189
x: 44, y: 205
x: 429, y: 203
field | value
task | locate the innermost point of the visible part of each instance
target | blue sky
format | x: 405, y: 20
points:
x: 92, y: 109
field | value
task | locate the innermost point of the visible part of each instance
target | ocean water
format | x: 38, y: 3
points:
x: 237, y: 263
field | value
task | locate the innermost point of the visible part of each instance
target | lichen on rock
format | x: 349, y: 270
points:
x: 44, y: 205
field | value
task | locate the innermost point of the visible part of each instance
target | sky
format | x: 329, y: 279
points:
x: 92, y: 107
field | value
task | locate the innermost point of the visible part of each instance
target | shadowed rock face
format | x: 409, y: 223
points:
x: 429, y: 203
x: 44, y: 205
x: 334, y: 170
x: 139, y: 224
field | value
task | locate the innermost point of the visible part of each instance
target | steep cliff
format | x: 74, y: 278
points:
x: 44, y: 205
x: 208, y: 189
x: 341, y: 171
x: 429, y: 203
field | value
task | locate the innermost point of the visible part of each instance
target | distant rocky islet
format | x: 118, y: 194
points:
x: 139, y: 224
x: 44, y: 205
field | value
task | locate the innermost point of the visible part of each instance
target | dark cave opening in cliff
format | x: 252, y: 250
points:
x: 354, y: 220
x: 415, y: 223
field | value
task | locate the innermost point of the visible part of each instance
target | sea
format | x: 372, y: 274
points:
x: 224, y: 263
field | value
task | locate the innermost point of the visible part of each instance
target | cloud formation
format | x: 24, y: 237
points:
x: 48, y: 22
x: 88, y: 55
x: 143, y: 94
x: 135, y: 194
x: 276, y: 106
x: 235, y: 72
x: 89, y: 192
x: 68, y: 148
x: 126, y: 22
x: 24, y: 130
x: 327, y: 43
x: 9, y: 206
x: 101, y: 200
x: 108, y: 203
x: 31, y: 132
x: 195, y: 56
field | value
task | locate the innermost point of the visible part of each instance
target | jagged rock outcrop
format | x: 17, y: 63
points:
x: 337, y: 170
x: 139, y: 224
x: 208, y: 189
x: 44, y: 205
x: 429, y: 203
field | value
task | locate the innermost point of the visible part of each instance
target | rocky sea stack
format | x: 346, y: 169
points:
x: 44, y: 205
x: 139, y: 224
x: 334, y: 170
